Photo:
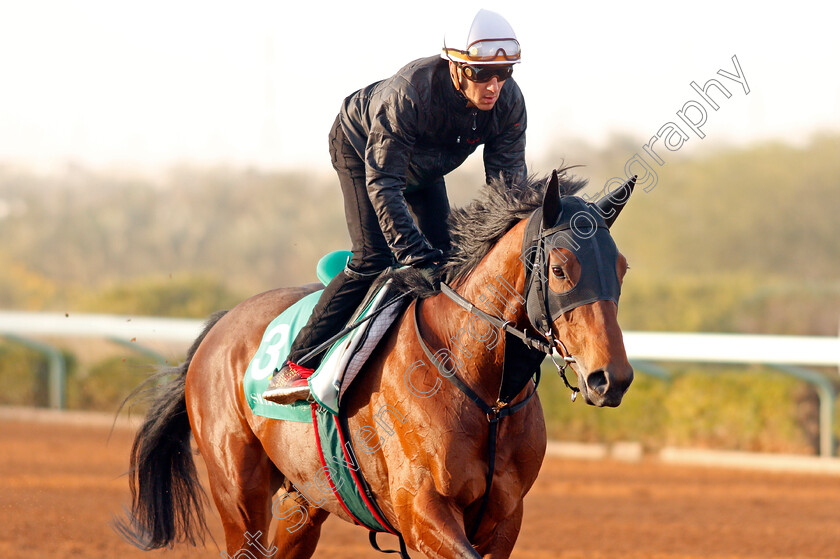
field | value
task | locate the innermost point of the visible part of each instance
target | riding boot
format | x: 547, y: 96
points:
x: 335, y: 307
x: 289, y: 384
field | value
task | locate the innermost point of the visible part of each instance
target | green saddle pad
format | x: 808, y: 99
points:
x: 325, y: 384
x: 274, y: 347
x: 277, y: 341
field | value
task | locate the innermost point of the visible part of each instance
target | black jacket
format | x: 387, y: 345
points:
x: 415, y: 127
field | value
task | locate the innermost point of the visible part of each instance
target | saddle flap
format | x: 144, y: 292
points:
x: 345, y: 359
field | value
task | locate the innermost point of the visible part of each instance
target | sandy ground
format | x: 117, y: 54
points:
x: 61, y: 484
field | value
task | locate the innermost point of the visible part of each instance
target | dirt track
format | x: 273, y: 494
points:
x: 60, y: 485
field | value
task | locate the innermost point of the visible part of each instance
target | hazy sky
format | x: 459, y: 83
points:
x: 259, y: 83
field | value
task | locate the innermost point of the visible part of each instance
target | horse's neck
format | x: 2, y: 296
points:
x: 476, y: 347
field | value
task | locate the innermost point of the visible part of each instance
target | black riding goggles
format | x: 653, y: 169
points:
x: 486, y: 72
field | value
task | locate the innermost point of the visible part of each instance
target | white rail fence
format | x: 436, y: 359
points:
x: 786, y: 353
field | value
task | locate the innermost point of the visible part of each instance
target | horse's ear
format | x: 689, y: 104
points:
x: 551, y: 201
x: 610, y: 206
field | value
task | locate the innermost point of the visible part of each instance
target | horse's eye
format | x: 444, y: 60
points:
x: 558, y: 272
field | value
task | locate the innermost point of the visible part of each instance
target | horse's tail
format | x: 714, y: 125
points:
x: 166, y: 497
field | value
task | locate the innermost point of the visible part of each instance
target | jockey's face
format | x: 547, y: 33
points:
x: 482, y: 95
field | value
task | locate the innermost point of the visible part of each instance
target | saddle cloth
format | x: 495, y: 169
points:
x: 341, y: 363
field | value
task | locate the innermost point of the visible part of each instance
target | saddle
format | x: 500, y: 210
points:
x: 341, y: 362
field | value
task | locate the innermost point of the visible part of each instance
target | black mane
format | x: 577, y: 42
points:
x: 477, y: 227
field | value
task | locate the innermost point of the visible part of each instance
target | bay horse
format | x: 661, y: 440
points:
x: 426, y: 458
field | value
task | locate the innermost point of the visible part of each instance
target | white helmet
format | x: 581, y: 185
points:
x: 489, y: 39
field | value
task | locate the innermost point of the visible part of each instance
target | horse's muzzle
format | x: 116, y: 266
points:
x: 606, y: 386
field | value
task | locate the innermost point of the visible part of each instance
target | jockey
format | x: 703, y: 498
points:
x: 391, y: 145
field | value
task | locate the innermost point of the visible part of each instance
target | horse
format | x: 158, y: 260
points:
x: 424, y: 442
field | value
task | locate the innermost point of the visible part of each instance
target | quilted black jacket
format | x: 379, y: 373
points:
x: 415, y: 127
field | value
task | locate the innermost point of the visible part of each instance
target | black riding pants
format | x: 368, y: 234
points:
x: 371, y: 255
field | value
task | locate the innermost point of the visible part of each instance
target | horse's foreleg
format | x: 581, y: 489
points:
x: 437, y: 530
x: 298, y: 526
x: 497, y: 541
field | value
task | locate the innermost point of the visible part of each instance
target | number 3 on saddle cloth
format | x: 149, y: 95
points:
x: 339, y: 367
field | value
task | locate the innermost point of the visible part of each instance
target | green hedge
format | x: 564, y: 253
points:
x: 107, y: 383
x: 731, y: 408
x: 23, y: 376
x: 101, y: 387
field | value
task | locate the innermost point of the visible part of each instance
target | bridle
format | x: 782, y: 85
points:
x: 598, y: 280
x: 535, y: 258
x: 539, y: 343
x: 545, y: 343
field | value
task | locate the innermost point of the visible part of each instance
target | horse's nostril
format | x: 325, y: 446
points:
x: 597, y: 381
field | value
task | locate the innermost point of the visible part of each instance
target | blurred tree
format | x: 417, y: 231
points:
x: 743, y: 239
x: 182, y: 296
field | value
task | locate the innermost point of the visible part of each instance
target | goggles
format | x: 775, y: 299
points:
x: 492, y: 50
x: 481, y: 74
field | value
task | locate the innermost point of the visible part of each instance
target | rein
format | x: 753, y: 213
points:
x: 495, y: 412
x: 536, y: 343
x: 527, y: 339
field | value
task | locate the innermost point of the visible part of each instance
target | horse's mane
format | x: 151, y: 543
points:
x: 477, y: 227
